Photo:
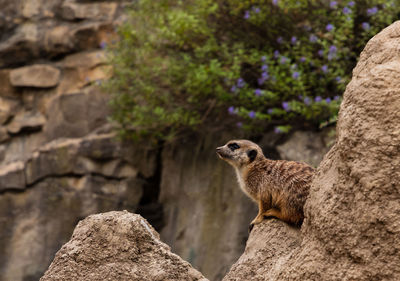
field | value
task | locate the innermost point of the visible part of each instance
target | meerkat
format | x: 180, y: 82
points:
x: 279, y: 187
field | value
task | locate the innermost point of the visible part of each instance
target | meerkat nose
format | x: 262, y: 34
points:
x: 218, y: 150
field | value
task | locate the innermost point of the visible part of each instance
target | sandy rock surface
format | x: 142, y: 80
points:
x: 270, y: 245
x: 118, y: 246
x: 352, y: 225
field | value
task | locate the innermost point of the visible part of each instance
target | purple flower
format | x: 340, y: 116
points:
x: 338, y: 78
x: 313, y: 38
x: 351, y: 3
x: 328, y: 100
x: 103, y: 44
x: 286, y: 106
x: 302, y: 59
x: 258, y: 92
x: 346, y: 10
x: 256, y: 10
x: 252, y: 114
x: 336, y: 98
x: 372, y: 11
x: 232, y: 110
x: 318, y: 99
x: 263, y: 58
x: 233, y: 89
x: 279, y: 40
x: 270, y: 111
x: 307, y: 101
x: 283, y: 60
x: 275, y: 2
x: 331, y: 56
x: 277, y: 130
x: 240, y: 83
x: 239, y: 124
x: 276, y: 54
x: 332, y: 49
x: 246, y: 15
x: 264, y: 76
x: 324, y: 68
x: 321, y: 53
x: 333, y: 4
x: 264, y: 67
x: 365, y: 26
x: 296, y: 75
x: 293, y: 40
x: 329, y: 27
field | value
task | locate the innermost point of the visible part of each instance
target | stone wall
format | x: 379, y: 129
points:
x: 60, y: 160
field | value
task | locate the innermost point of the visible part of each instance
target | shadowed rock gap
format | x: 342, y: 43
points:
x: 149, y: 206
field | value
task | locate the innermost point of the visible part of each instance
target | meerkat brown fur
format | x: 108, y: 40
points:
x: 279, y: 187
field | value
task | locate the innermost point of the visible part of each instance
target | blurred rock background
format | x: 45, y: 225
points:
x: 60, y: 160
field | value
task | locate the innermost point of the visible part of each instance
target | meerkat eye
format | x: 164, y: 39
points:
x: 233, y: 146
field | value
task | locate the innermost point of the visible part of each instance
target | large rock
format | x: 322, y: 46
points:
x: 38, y: 75
x: 27, y: 121
x: 118, y: 246
x: 88, y: 59
x: 352, y: 216
x: 266, y: 253
x: 71, y: 10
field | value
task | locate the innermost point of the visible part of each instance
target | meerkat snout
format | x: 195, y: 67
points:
x: 239, y: 152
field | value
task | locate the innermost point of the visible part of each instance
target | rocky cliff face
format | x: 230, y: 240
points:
x: 352, y: 229
x: 60, y: 161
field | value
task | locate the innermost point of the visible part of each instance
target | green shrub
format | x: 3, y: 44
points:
x: 208, y: 65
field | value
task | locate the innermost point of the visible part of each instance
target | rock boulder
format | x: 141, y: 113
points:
x: 38, y: 75
x: 118, y: 246
x: 351, y: 229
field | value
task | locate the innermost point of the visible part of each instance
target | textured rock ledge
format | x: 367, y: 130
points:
x: 352, y: 225
x: 118, y: 246
x: 270, y: 245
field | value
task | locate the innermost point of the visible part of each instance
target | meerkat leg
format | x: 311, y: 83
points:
x: 260, y: 216
x: 275, y: 213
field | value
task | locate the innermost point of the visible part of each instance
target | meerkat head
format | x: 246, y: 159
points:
x: 239, y: 153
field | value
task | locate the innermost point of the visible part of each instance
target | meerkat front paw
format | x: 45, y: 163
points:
x: 251, y: 225
x: 257, y: 220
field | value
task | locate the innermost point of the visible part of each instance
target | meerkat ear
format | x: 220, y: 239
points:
x: 252, y: 154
